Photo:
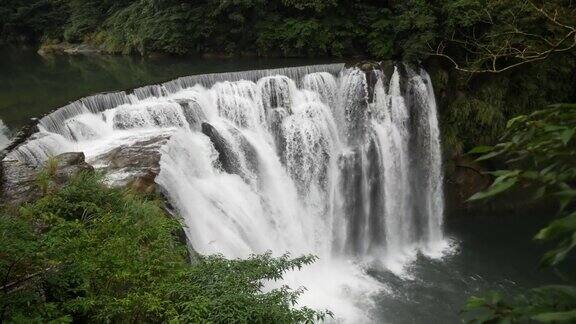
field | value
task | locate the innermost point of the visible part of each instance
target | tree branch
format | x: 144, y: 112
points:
x: 15, y: 284
x: 503, y: 51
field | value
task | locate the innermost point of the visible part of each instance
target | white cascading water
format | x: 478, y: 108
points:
x: 301, y: 160
x: 4, y: 135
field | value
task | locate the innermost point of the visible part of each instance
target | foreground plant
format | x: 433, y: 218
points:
x: 542, y: 149
x: 93, y: 254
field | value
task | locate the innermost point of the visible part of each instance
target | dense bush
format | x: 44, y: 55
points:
x: 32, y: 20
x: 91, y: 254
x: 381, y: 29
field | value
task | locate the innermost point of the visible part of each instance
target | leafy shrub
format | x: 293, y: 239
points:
x: 95, y: 254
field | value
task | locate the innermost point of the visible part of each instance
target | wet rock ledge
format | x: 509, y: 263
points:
x: 19, y: 180
x: 135, y: 166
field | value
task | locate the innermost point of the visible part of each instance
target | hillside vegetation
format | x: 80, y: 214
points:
x: 411, y: 29
x: 88, y: 253
x: 489, y: 59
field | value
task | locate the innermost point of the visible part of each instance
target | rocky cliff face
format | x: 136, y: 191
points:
x: 135, y: 166
x: 20, y: 181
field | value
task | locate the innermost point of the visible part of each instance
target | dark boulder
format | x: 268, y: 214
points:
x: 226, y: 156
x: 135, y: 165
x: 68, y: 165
x: 231, y: 161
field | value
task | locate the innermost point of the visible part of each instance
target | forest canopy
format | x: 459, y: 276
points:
x: 489, y: 59
x: 410, y: 29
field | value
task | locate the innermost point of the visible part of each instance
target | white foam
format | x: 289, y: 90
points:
x: 4, y: 133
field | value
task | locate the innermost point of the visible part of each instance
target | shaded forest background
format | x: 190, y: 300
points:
x: 489, y: 59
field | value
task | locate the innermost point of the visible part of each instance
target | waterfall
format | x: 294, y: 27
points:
x: 302, y: 160
x: 4, y: 135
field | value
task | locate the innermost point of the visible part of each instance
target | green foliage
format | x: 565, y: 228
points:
x: 146, y: 26
x: 475, y: 117
x: 415, y: 27
x: 85, y: 16
x: 285, y: 27
x: 32, y: 20
x: 45, y: 177
x: 93, y: 254
x: 318, y: 5
x: 18, y: 257
x: 473, y: 108
x: 541, y: 148
x: 378, y: 43
x: 381, y: 29
x: 305, y: 37
x: 548, y: 304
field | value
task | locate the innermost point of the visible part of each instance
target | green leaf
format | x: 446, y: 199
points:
x: 539, y: 193
x: 514, y: 120
x: 557, y: 228
x: 566, y: 135
x: 474, y: 302
x: 481, y: 150
x: 501, y: 173
x: 556, y: 317
x: 553, y: 128
x: 532, y: 175
x: 565, y: 292
x: 496, y: 188
x: 488, y: 156
x: 558, y: 254
x: 565, y: 197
